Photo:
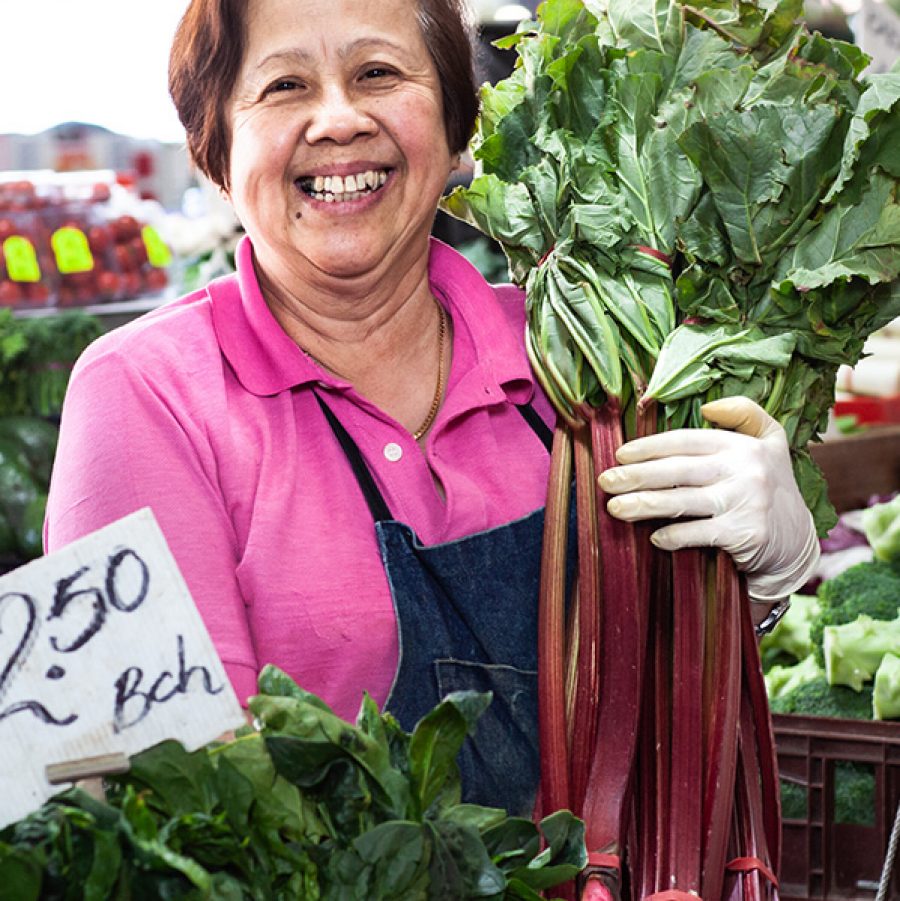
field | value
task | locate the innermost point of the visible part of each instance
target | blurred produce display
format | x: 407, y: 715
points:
x: 36, y: 358
x: 72, y: 239
x: 869, y: 392
x: 27, y: 448
x: 836, y: 654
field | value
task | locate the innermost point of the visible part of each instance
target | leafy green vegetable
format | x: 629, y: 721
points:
x: 700, y: 200
x: 36, y: 357
x: 308, y: 807
x: 27, y: 447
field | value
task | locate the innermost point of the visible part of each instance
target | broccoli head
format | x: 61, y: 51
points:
x: 854, y: 651
x: 818, y: 698
x: 871, y: 589
x: 781, y: 680
x: 886, y: 692
x: 854, y: 793
x: 881, y: 524
x: 789, y: 641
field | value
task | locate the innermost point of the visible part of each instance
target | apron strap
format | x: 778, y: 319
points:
x: 538, y: 426
x: 374, y: 498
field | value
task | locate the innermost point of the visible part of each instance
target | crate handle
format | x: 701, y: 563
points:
x: 889, y: 859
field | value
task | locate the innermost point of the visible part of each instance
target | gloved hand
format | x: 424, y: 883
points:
x: 729, y: 489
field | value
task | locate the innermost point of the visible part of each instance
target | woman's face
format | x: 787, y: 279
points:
x: 338, y: 152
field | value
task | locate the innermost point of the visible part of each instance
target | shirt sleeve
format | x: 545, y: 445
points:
x: 128, y: 442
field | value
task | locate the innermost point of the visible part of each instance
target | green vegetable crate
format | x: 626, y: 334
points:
x: 823, y: 857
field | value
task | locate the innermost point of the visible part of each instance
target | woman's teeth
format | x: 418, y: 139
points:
x: 340, y: 189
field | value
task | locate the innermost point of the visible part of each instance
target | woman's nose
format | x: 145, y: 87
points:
x: 338, y: 117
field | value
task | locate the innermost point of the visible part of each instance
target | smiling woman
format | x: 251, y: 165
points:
x: 320, y: 108
x: 343, y: 442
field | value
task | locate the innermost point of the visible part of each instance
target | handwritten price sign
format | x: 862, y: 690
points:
x: 102, y: 651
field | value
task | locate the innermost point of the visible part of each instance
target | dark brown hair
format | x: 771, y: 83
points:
x: 209, y: 46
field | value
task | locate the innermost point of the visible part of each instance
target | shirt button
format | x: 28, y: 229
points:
x: 393, y: 452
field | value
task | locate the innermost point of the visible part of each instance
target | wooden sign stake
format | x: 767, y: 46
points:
x: 86, y: 768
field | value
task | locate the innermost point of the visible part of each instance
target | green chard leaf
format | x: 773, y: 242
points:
x: 755, y: 155
x: 656, y: 24
x: 505, y: 212
x: 879, y: 100
x: 694, y: 357
x: 859, y: 240
x: 765, y: 168
x: 437, y: 740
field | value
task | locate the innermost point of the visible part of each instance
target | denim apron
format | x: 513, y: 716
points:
x: 467, y: 619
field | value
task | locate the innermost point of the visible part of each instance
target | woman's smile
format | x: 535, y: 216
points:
x: 343, y: 188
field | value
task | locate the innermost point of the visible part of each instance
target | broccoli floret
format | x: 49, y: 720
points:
x: 871, y: 589
x: 886, y: 691
x: 793, y: 800
x: 818, y: 698
x: 854, y: 793
x: 781, y: 680
x: 789, y: 640
x: 855, y: 650
x: 881, y: 524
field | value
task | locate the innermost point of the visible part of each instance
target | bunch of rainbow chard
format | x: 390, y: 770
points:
x: 700, y: 200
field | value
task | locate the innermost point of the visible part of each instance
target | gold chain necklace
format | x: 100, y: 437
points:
x: 439, y: 388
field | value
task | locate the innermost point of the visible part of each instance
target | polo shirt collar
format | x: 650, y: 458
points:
x: 267, y: 361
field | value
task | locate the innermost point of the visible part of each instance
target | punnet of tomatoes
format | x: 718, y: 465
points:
x: 63, y: 248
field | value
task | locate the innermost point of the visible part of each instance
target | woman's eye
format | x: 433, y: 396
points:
x: 283, y: 84
x: 377, y: 72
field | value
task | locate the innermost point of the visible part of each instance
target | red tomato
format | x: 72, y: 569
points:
x: 156, y: 279
x: 86, y: 280
x: 10, y: 293
x: 138, y: 250
x: 109, y: 285
x: 38, y: 293
x: 131, y: 284
x: 125, y: 258
x: 100, y: 192
x: 99, y: 237
x: 7, y: 229
x: 125, y: 228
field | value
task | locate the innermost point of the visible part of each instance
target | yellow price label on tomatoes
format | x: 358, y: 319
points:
x: 72, y: 251
x: 158, y: 252
x: 21, y: 259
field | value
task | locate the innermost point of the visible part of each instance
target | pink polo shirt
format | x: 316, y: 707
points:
x: 204, y: 410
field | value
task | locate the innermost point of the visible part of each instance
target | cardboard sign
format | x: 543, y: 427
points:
x: 102, y: 652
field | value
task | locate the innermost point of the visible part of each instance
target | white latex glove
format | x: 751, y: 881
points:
x: 733, y: 490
